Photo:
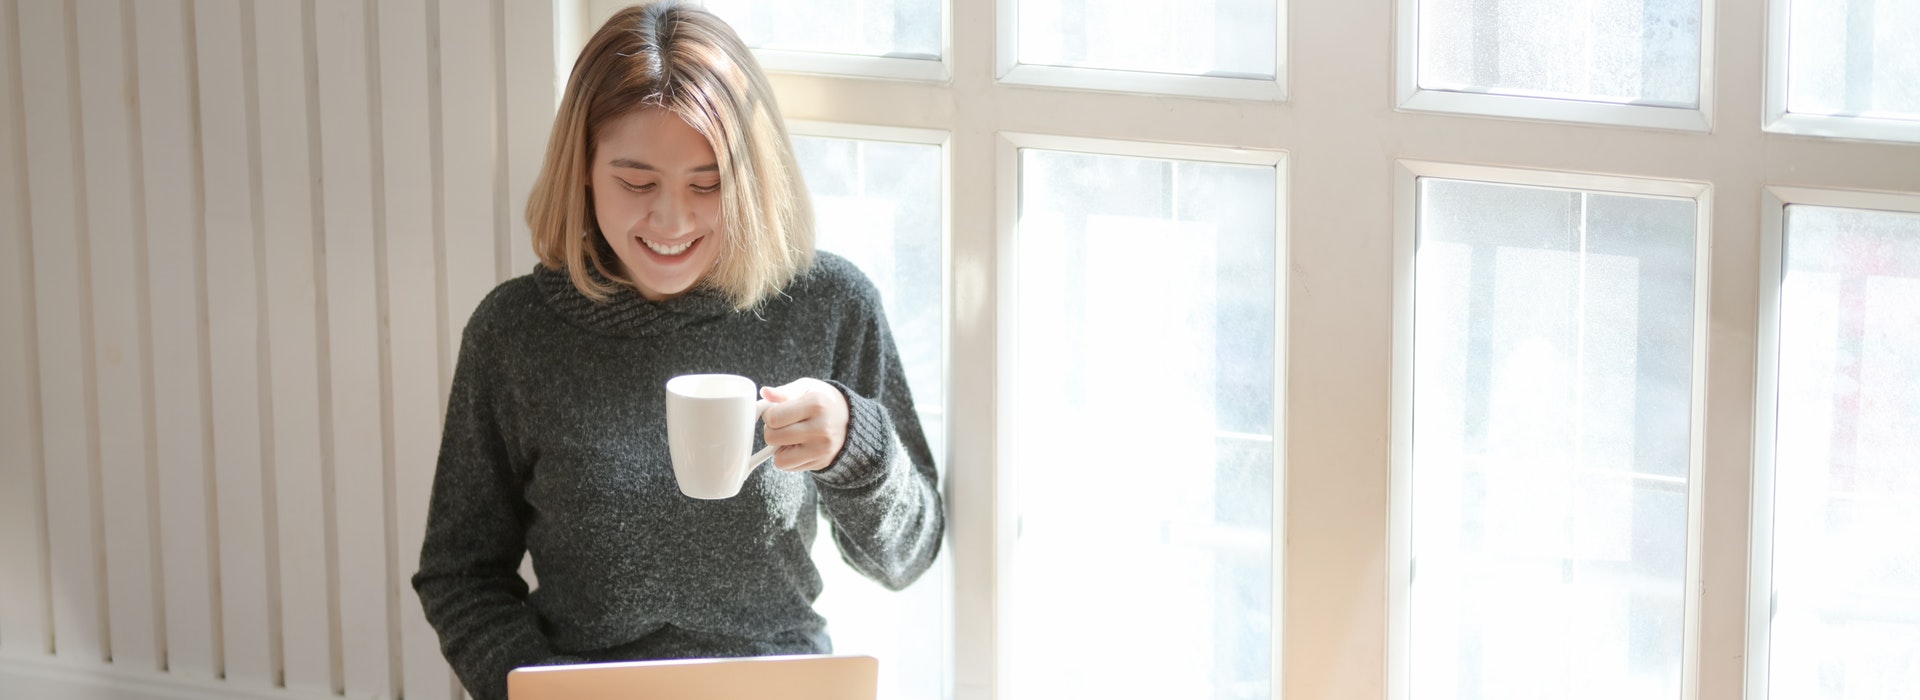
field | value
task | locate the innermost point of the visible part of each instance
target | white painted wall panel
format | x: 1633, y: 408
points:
x: 413, y: 300
x: 234, y: 339
x: 468, y: 118
x: 225, y: 319
x: 25, y: 627
x: 117, y: 247
x: 62, y: 324
x: 352, y: 341
x: 289, y: 182
x: 530, y: 99
x: 176, y: 299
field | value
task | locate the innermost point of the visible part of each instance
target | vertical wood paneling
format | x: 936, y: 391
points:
x: 238, y: 243
x: 58, y: 222
x: 170, y: 167
x: 530, y: 96
x: 469, y: 161
x: 234, y: 340
x: 412, y: 309
x: 288, y: 180
x: 25, y: 628
x: 117, y: 248
x: 353, y: 344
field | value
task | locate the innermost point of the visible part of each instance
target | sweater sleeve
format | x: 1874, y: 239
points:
x: 469, y: 581
x: 881, y: 494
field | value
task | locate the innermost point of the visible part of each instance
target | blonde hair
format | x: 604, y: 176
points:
x: 666, y: 55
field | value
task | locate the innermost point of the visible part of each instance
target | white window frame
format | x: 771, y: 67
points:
x: 1407, y: 174
x: 1411, y: 97
x: 920, y: 137
x: 944, y: 141
x: 773, y: 60
x: 1007, y: 164
x: 1782, y: 121
x: 1773, y: 216
x: 1011, y: 71
x: 851, y: 65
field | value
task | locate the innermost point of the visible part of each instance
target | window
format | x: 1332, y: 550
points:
x: 879, y: 203
x: 1842, y: 68
x: 1629, y: 62
x: 1211, y: 48
x: 1837, y: 552
x: 1144, y: 400
x: 1554, y: 354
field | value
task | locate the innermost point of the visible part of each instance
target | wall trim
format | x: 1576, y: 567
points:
x: 53, y: 678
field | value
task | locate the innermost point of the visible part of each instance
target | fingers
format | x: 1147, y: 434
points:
x: 807, y: 421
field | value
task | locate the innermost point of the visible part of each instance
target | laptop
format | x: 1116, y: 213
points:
x: 819, y: 677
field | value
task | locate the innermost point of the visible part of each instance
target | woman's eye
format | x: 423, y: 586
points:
x: 635, y: 188
x: 707, y: 189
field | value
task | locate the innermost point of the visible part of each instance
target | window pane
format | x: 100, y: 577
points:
x: 1618, y: 51
x: 1229, y: 38
x: 1144, y: 459
x: 878, y: 204
x: 1846, y: 502
x: 1553, y: 346
x: 1854, y: 58
x: 898, y: 28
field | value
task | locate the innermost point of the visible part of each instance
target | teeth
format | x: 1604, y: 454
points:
x: 667, y: 250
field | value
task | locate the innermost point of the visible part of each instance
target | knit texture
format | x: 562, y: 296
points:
x: 555, y: 445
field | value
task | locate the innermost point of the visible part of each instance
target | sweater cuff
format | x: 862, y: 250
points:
x: 864, y: 456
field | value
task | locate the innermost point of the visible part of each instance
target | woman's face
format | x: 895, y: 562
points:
x: 656, y: 196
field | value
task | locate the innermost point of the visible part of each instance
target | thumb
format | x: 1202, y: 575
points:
x: 778, y: 394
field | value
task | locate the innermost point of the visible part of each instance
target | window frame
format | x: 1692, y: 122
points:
x: 1781, y: 121
x: 944, y: 141
x: 1008, y: 146
x: 859, y: 66
x: 1009, y: 70
x: 1406, y: 214
x: 1761, y: 601
x: 1409, y: 96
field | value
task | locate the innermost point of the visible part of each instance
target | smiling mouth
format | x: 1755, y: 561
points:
x: 668, y: 250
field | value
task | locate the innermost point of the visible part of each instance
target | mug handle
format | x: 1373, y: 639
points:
x: 765, y: 453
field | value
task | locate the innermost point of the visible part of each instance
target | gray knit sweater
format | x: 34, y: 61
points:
x: 555, y: 445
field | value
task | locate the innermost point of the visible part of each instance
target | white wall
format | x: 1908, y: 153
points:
x: 238, y: 242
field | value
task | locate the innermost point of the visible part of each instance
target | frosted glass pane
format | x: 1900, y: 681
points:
x: 878, y: 204
x: 898, y: 28
x: 1617, y: 51
x: 1846, y: 502
x: 1230, y: 38
x: 1854, y: 58
x: 1553, y: 342
x: 1144, y: 452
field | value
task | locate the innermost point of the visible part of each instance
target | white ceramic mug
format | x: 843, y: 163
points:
x: 710, y: 420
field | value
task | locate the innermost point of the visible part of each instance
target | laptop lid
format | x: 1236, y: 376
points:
x: 753, y: 678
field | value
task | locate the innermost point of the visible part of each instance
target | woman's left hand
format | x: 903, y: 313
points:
x: 807, y: 421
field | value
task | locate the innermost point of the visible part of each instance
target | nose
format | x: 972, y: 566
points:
x: 672, y: 214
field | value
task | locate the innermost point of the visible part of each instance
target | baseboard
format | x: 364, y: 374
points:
x: 53, y: 678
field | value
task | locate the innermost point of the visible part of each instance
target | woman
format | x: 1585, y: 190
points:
x: 675, y: 237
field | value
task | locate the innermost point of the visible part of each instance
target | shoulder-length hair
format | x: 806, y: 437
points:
x: 666, y: 55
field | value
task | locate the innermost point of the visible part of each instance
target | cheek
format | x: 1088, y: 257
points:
x: 710, y: 212
x: 612, y: 214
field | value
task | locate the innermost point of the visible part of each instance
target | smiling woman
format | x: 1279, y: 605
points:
x: 652, y: 94
x: 675, y: 238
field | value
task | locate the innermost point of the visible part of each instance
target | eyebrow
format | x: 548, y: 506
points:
x: 637, y: 165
